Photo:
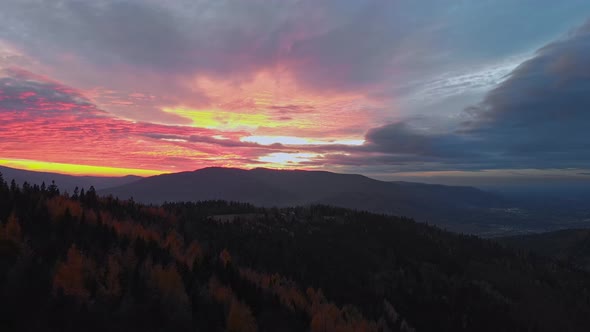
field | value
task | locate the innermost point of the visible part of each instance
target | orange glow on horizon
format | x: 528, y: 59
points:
x: 73, y: 169
x: 281, y: 160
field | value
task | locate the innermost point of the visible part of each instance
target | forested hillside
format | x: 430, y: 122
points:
x: 443, y: 205
x: 82, y: 262
x: 571, y: 245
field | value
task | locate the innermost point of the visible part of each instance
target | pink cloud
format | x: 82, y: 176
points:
x: 41, y: 119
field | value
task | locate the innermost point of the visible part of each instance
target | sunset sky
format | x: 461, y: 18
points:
x: 423, y: 89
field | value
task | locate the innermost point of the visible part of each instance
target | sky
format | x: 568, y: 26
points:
x: 393, y: 89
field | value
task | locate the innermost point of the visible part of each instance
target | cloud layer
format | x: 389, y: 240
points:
x: 537, y: 118
x: 359, y: 86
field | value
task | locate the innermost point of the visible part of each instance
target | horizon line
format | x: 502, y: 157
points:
x: 106, y: 171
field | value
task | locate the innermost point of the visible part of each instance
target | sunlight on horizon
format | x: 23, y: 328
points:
x: 73, y: 169
x: 293, y: 140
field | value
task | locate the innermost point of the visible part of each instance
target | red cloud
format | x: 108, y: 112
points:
x: 41, y: 119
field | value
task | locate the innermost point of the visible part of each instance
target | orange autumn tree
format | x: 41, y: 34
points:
x: 327, y: 317
x: 240, y: 318
x: 219, y: 292
x: 193, y: 254
x: 58, y: 205
x: 70, y: 275
x: 168, y: 283
x: 12, y: 230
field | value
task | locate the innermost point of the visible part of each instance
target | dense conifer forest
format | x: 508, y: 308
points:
x: 81, y: 262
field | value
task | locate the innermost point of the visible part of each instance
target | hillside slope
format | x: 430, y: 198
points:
x: 571, y: 245
x: 101, y: 264
x: 265, y: 187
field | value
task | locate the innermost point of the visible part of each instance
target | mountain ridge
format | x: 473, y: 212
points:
x: 65, y: 181
x: 270, y: 187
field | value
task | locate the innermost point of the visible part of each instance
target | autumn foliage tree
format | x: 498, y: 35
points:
x: 193, y: 255
x: 12, y: 230
x: 70, y: 275
x: 168, y: 283
x: 240, y: 318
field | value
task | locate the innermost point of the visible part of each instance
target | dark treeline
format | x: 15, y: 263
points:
x: 81, y: 262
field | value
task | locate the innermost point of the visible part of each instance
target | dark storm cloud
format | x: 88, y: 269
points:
x: 538, y: 118
x: 401, y: 138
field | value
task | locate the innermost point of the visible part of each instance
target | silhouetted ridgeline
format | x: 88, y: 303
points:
x: 87, y: 263
x: 66, y: 182
x: 442, y: 205
x: 457, y: 208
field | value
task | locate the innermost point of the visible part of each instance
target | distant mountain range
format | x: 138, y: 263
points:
x: 65, y: 182
x: 457, y: 208
x: 266, y: 187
